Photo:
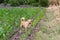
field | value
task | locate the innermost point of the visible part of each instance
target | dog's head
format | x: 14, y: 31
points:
x: 30, y: 21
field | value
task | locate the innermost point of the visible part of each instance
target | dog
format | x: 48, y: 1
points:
x: 24, y: 23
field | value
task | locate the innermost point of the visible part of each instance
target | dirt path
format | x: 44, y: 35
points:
x: 16, y: 35
x: 48, y: 28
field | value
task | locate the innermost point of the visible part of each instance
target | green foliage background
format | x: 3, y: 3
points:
x: 26, y: 2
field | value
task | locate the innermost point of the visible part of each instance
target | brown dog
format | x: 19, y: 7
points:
x: 24, y: 23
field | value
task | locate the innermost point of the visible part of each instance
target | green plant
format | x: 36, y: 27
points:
x: 26, y: 1
x: 1, y: 1
x: 44, y: 3
x: 35, y: 4
x: 14, y: 2
x: 5, y: 2
x: 21, y: 2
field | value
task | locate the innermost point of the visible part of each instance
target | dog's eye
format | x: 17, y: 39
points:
x: 29, y: 23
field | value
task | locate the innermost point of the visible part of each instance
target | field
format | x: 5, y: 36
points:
x: 10, y: 19
x: 45, y: 24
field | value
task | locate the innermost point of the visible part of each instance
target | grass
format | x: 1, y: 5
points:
x: 10, y: 19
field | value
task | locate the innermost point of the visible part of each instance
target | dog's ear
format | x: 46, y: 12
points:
x: 22, y: 19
